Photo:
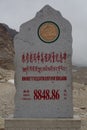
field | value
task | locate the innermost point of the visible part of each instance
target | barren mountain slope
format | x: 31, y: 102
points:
x: 6, y: 48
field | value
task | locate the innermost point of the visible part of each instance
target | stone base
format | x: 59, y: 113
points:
x: 43, y: 124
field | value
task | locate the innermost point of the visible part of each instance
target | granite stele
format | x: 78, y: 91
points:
x: 43, y: 79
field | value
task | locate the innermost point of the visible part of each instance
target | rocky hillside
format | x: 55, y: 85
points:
x: 6, y: 47
x: 80, y: 74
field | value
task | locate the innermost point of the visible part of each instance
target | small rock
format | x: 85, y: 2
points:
x: 11, y: 81
x: 76, y: 108
x: 1, y: 77
x: 83, y: 107
x: 2, y: 81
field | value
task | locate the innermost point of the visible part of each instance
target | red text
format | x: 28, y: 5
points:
x: 41, y: 57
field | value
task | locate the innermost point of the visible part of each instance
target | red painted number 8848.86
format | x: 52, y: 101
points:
x: 46, y: 94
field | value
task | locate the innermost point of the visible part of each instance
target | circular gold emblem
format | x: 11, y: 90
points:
x: 48, y: 32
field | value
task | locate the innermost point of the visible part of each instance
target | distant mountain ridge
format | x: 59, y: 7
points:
x: 11, y: 31
x: 6, y: 46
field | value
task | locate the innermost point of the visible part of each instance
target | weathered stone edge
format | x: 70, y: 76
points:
x: 42, y: 123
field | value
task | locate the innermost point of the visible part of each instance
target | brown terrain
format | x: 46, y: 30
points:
x: 6, y: 46
x: 7, y: 89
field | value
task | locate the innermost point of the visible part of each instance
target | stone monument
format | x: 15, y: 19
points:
x: 43, y: 63
x: 43, y: 51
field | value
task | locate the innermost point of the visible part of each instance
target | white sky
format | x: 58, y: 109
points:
x: 16, y: 12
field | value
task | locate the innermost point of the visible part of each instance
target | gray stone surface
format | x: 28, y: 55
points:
x: 43, y: 80
x: 43, y: 124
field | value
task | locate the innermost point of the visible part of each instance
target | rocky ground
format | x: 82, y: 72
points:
x: 80, y: 103
x: 7, y: 92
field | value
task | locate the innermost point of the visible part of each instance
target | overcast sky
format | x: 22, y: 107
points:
x: 15, y: 12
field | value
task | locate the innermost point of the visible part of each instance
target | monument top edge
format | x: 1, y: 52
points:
x: 47, y: 8
x: 46, y: 13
